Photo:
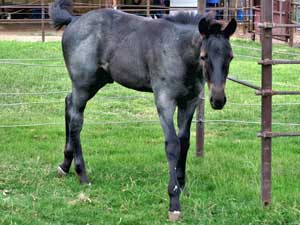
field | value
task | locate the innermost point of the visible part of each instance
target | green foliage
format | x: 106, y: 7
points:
x: 126, y: 162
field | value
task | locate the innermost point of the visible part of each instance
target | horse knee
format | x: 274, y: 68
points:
x: 68, y: 99
x: 172, y: 147
x: 184, y: 143
x: 76, y: 123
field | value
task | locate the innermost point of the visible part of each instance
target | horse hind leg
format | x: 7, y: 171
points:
x: 63, y: 169
x: 75, y: 106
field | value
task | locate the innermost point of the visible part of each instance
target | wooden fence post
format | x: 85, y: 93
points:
x: 200, y: 125
x: 200, y: 108
x: 148, y: 8
x: 43, y: 20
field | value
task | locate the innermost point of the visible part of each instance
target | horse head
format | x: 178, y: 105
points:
x: 215, y: 57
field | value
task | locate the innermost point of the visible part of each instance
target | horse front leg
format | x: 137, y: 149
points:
x: 166, y: 108
x: 184, y: 120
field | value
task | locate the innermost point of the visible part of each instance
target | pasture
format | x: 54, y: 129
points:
x: 124, y: 148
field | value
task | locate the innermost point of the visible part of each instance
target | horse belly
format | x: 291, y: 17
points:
x: 132, y: 81
x: 131, y: 75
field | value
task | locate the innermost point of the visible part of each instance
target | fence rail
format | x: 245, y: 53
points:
x: 228, y: 12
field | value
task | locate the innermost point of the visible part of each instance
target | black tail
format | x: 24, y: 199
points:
x: 61, y: 13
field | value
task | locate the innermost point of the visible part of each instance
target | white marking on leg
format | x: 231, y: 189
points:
x: 176, y: 212
x: 61, y: 172
x: 175, y: 188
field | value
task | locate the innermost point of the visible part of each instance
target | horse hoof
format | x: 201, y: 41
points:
x: 85, y: 182
x: 174, y: 215
x: 61, y: 172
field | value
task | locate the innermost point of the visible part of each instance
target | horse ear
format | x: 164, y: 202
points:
x: 230, y: 29
x: 203, y: 27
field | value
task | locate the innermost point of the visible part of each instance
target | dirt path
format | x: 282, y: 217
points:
x: 26, y: 37
x: 28, y: 32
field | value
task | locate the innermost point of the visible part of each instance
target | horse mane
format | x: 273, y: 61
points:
x: 194, y: 19
x: 184, y: 18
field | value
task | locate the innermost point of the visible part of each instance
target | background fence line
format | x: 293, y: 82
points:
x: 67, y: 91
x: 19, y: 62
x: 137, y: 97
x: 146, y: 121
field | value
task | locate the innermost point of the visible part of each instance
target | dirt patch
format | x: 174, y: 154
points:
x: 28, y: 32
x: 33, y: 38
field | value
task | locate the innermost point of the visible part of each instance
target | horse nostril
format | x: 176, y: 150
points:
x: 225, y: 100
x: 217, y: 103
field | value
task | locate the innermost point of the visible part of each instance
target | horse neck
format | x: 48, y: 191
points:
x: 190, y: 44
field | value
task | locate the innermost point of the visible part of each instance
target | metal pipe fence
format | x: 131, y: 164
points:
x: 266, y: 91
x: 228, y: 12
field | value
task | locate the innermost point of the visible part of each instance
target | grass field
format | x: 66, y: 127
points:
x: 125, y: 157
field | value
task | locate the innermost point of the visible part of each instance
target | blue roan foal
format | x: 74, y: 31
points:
x: 171, y: 57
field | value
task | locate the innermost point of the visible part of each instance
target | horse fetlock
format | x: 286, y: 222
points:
x: 81, y: 174
x: 174, y: 202
x: 79, y: 169
x: 174, y: 190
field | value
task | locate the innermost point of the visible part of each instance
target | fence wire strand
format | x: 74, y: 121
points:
x: 32, y: 59
x: 30, y: 64
x: 259, y: 50
x: 136, y: 97
x: 146, y: 121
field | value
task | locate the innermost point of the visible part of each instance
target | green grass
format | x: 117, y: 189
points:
x: 126, y: 162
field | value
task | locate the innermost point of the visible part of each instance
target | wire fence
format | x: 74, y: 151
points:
x: 259, y: 51
x: 145, y: 122
x: 137, y: 97
x: 19, y: 62
x: 16, y: 60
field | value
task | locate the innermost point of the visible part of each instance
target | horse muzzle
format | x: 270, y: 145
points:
x: 217, y: 97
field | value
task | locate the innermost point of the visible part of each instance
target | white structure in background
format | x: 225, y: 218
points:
x: 184, y: 3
